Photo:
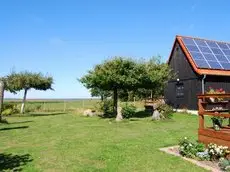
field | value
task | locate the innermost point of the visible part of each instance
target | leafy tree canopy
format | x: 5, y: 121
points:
x: 27, y: 80
x: 121, y: 73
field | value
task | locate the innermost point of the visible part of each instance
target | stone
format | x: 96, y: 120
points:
x: 89, y: 112
x: 156, y: 115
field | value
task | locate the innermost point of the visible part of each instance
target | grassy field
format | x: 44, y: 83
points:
x: 63, y: 105
x: 68, y: 142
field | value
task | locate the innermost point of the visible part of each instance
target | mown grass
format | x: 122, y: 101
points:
x: 68, y: 142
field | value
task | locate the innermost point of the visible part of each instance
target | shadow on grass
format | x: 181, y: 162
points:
x: 142, y: 114
x: 138, y: 114
x: 10, y: 162
x: 20, y: 122
x: 14, y: 128
x: 46, y: 114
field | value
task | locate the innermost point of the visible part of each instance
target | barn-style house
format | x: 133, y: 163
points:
x: 199, y: 64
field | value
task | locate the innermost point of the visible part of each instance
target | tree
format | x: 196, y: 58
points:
x: 25, y: 81
x: 125, y: 74
x: 1, y: 97
x: 103, y: 94
x: 112, y: 75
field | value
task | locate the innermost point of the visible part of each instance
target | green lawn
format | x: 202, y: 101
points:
x: 69, y: 142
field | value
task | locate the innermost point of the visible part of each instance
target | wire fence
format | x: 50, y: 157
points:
x: 62, y: 105
x: 56, y: 105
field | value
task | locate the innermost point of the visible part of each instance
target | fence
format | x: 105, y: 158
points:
x: 62, y: 105
x: 56, y: 105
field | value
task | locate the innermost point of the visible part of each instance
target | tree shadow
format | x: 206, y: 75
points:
x: 12, y: 162
x: 20, y: 122
x: 109, y: 116
x: 47, y: 114
x: 12, y: 128
x: 142, y: 114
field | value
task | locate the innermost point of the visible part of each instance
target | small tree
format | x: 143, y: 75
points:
x: 1, y: 97
x: 112, y: 75
x: 127, y: 75
x: 25, y: 81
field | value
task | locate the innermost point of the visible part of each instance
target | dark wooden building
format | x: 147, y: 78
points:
x: 198, y: 64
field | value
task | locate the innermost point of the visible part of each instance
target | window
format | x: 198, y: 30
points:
x: 180, y: 90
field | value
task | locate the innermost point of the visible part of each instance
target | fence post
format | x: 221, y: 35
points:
x: 83, y: 104
x: 44, y: 106
x: 64, y: 105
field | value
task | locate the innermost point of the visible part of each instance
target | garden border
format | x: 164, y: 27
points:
x: 169, y: 150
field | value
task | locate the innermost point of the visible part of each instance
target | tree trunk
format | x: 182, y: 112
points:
x: 117, y: 112
x: 1, y: 98
x: 102, y: 97
x: 23, y: 102
x: 151, y: 95
x: 115, y: 102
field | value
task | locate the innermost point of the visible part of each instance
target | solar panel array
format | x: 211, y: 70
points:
x: 209, y: 54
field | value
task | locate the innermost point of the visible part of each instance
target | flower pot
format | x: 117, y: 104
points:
x: 217, y: 122
x: 212, y: 99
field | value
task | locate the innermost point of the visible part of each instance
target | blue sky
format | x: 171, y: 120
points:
x: 65, y: 38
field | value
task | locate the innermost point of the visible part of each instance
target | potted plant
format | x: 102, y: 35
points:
x: 217, y: 122
x: 215, y: 91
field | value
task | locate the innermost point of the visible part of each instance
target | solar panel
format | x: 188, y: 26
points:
x: 223, y: 45
x: 208, y: 54
x: 216, y: 51
x: 214, y: 65
x: 226, y: 65
x: 205, y: 49
x: 202, y: 63
x: 226, y: 52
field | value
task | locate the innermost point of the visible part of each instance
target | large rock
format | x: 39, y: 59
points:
x: 156, y: 115
x: 89, y: 113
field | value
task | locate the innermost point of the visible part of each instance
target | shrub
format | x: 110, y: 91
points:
x: 10, y: 108
x: 224, y: 164
x: 33, y: 107
x: 106, y: 106
x: 203, y: 155
x: 192, y: 150
x: 128, y: 110
x: 216, y: 152
x: 7, y: 112
x: 166, y: 110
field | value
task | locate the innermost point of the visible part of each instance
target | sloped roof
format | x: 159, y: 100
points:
x: 200, y: 71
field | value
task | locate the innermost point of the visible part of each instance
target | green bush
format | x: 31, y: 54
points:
x: 192, y: 150
x: 128, y: 110
x: 166, y: 111
x: 224, y: 164
x: 10, y: 108
x: 106, y: 106
x: 32, y: 107
x: 7, y: 112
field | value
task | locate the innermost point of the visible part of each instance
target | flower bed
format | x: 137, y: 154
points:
x: 212, y: 157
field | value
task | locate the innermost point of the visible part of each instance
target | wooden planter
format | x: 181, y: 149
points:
x: 208, y: 134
